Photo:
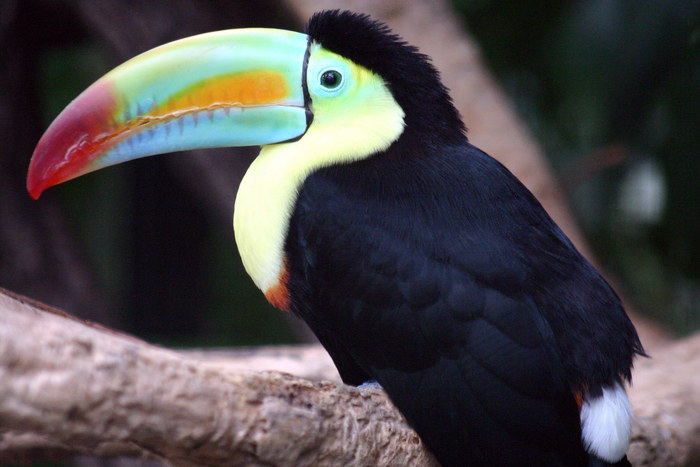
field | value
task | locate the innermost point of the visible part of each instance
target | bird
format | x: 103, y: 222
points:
x: 421, y: 263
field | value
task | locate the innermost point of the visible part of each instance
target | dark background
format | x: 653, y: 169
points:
x: 610, y: 88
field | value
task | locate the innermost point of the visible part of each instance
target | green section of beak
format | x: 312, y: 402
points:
x: 229, y: 88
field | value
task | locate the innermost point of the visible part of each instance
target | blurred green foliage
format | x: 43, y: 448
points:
x: 611, y: 88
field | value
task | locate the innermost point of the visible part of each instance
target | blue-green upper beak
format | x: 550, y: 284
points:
x: 240, y: 87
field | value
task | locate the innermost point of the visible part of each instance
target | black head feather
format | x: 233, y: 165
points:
x: 413, y: 80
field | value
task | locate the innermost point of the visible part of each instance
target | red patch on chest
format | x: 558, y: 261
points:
x: 278, y: 294
x: 578, y: 397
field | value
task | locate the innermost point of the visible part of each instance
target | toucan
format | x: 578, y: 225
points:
x: 421, y: 263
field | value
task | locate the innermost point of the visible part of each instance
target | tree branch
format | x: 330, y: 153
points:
x: 68, y: 386
x: 77, y: 387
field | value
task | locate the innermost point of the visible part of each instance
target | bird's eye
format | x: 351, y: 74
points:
x: 331, y: 79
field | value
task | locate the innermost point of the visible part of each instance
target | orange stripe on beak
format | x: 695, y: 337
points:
x: 252, y: 88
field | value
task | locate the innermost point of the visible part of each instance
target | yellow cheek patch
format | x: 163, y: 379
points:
x: 363, y: 121
x: 251, y: 88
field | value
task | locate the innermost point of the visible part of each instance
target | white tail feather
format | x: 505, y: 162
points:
x: 606, y: 424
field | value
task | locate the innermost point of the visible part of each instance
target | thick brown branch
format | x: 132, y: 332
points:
x: 66, y: 385
x: 666, y: 400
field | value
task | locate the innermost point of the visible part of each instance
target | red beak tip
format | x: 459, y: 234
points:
x: 35, y: 186
x: 34, y: 191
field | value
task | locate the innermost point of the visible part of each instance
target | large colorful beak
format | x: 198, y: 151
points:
x: 230, y: 88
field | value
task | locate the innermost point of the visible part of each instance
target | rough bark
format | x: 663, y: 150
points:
x: 666, y: 399
x: 75, y: 387
x: 68, y: 386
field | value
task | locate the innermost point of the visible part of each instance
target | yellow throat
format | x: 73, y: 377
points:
x: 363, y: 119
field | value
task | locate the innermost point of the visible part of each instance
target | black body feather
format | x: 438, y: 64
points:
x: 431, y: 269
